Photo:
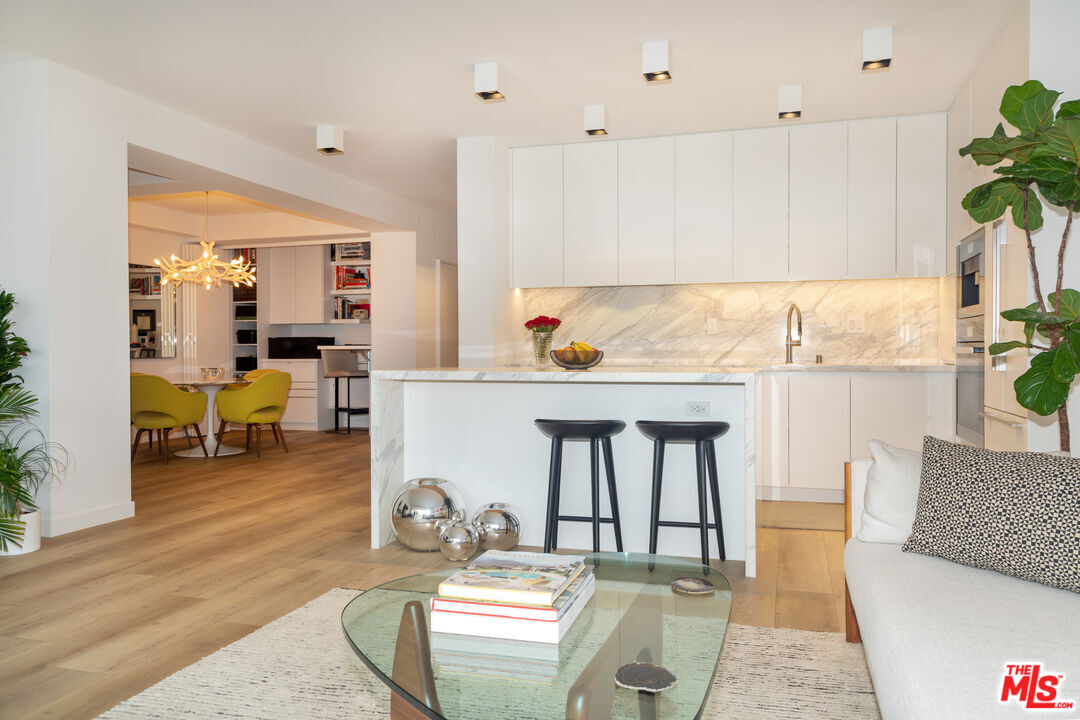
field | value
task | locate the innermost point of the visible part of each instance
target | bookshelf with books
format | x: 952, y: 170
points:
x: 350, y: 282
x: 244, y: 320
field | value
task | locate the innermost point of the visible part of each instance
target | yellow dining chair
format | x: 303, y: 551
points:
x: 253, y: 375
x: 260, y: 403
x: 157, y: 404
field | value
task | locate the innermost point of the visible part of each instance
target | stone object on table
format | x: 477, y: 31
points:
x: 418, y: 508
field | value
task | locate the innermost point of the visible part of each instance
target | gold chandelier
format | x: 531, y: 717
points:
x: 208, y: 269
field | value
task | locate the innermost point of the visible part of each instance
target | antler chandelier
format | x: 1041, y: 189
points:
x: 208, y: 269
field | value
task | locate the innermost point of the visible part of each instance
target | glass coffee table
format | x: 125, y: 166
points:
x: 634, y: 616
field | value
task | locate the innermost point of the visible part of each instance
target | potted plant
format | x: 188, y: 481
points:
x: 542, y: 328
x: 1039, y: 165
x: 27, y: 459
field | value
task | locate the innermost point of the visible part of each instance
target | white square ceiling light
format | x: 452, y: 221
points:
x: 789, y: 103
x: 594, y: 120
x: 654, y: 62
x: 486, y: 82
x: 877, y: 48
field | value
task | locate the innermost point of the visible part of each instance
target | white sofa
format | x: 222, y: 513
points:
x: 937, y: 635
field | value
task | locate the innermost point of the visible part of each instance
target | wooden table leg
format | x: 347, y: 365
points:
x: 412, y: 666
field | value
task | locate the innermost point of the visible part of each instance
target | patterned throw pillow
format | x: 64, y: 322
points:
x: 1017, y: 513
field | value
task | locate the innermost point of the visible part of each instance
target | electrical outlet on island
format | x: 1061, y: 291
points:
x: 697, y: 408
x: 856, y: 324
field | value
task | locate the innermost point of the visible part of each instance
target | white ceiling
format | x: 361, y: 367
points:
x: 398, y: 75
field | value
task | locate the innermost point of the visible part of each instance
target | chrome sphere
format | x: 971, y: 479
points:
x: 458, y: 540
x: 419, y: 506
x: 498, y: 525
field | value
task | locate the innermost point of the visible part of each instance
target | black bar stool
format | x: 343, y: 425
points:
x: 703, y: 435
x: 597, y: 433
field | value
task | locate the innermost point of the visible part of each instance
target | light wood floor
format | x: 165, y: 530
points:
x: 221, y: 547
x: 800, y: 515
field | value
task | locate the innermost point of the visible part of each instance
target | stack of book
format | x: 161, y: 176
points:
x: 514, y: 595
x: 351, y: 251
x: 348, y: 277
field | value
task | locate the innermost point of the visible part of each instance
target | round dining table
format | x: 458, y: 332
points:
x: 211, y: 388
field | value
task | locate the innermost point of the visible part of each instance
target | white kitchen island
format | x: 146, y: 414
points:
x: 475, y: 428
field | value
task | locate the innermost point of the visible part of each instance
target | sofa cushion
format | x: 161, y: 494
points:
x: 892, y: 491
x: 938, y: 635
x: 1017, y: 513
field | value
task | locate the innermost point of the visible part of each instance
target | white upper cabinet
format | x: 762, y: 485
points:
x: 817, y: 232
x: 647, y: 211
x: 760, y: 200
x: 277, y: 283
x: 703, y: 208
x: 872, y: 198
x: 312, y: 305
x: 921, y: 194
x: 537, y: 216
x: 590, y: 214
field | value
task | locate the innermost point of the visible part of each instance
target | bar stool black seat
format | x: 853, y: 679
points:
x: 598, y: 434
x: 703, y: 435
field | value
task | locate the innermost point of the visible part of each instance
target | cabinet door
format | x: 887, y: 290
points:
x: 647, y: 211
x: 819, y: 430
x: 591, y: 214
x: 311, y: 269
x: 277, y: 283
x: 1005, y: 431
x: 773, y: 430
x: 817, y: 227
x: 897, y: 409
x: 703, y: 208
x: 537, y: 216
x: 760, y: 199
x: 921, y: 194
x: 872, y: 198
x: 959, y: 175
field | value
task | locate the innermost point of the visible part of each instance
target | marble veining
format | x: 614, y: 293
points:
x: 667, y: 323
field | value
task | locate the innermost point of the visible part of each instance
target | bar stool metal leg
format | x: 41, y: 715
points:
x: 337, y: 408
x: 594, y: 470
x: 657, y: 480
x: 714, y: 482
x: 613, y: 496
x: 553, y: 493
x: 703, y: 508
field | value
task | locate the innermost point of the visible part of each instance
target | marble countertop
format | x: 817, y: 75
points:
x: 720, y: 374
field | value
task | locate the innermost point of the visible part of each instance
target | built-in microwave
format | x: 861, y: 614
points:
x: 970, y: 295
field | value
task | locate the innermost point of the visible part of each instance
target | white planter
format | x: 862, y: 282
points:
x: 31, y: 538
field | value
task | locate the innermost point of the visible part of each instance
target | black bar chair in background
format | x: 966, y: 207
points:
x: 598, y: 434
x: 703, y: 435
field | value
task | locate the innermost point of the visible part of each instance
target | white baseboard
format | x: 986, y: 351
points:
x: 793, y: 494
x: 60, y: 525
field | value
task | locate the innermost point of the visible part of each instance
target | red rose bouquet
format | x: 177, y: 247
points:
x: 543, y: 323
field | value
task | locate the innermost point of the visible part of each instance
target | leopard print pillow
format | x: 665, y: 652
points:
x: 1017, y: 513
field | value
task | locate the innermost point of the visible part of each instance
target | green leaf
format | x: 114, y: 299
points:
x: 1029, y: 331
x: 1004, y: 347
x: 1032, y: 315
x: 1012, y: 102
x: 1064, y: 138
x: 1037, y: 112
x: 1066, y: 363
x: 1070, y: 305
x: 1034, y: 211
x: 1069, y: 108
x: 987, y: 205
x: 1038, y: 389
x: 1048, y: 169
x: 1068, y: 191
x: 999, y: 146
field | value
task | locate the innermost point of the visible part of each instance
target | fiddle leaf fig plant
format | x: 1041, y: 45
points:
x: 1040, y: 164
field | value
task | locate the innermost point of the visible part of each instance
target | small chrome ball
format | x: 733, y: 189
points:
x: 458, y: 540
x: 498, y: 525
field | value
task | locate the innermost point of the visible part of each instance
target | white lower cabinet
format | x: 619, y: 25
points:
x: 311, y: 396
x: 1004, y: 431
x: 810, y: 423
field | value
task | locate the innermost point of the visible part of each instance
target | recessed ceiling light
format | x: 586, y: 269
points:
x: 486, y: 82
x: 594, y: 120
x: 654, y: 62
x: 877, y: 48
x: 329, y: 140
x: 789, y: 103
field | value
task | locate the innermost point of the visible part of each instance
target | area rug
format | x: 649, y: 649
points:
x: 299, y: 666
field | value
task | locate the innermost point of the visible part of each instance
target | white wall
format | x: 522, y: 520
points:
x: 489, y: 311
x: 1054, y: 26
x: 393, y: 305
x: 64, y: 140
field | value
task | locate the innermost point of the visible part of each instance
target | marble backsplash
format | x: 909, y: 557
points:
x: 845, y: 321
